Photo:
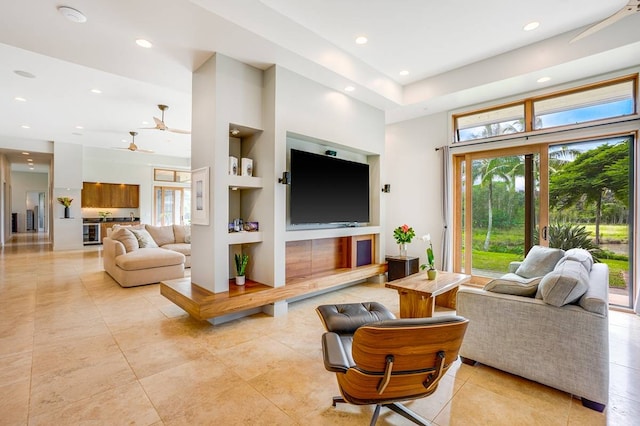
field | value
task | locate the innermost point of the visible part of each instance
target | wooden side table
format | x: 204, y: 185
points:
x: 401, y: 266
x: 418, y: 295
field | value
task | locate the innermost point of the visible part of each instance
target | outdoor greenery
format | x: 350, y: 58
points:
x: 589, y: 198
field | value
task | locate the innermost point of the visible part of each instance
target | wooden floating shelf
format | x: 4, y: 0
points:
x: 203, y: 304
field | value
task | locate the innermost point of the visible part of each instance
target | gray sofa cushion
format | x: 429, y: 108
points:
x: 566, y: 284
x: 539, y: 261
x: 144, y: 238
x: 579, y: 255
x: 514, y: 284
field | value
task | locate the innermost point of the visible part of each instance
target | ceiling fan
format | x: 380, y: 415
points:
x: 160, y: 123
x: 630, y: 8
x: 133, y: 147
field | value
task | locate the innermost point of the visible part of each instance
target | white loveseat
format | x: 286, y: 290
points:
x: 145, y: 254
x: 562, y: 342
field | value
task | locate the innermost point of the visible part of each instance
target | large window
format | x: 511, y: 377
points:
x: 605, y: 100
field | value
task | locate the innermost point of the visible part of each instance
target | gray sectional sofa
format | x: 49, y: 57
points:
x: 556, y: 334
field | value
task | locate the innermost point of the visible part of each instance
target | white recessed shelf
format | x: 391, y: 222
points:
x: 245, y: 237
x: 245, y: 182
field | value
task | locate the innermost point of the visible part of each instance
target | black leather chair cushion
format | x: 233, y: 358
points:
x: 347, y: 317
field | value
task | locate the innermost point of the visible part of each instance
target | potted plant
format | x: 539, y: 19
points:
x: 241, y: 265
x: 66, y: 202
x: 432, y: 273
x: 403, y: 236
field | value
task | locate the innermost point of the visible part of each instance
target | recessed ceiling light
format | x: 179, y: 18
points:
x: 531, y: 26
x: 25, y: 74
x: 79, y: 127
x: 404, y: 72
x: 349, y: 89
x: 98, y: 91
x: 24, y: 126
x: 19, y: 99
x: 144, y: 43
x: 72, y: 14
x: 361, y: 40
x: 543, y: 79
x: 145, y: 122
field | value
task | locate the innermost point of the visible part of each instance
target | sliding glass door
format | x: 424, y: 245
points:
x: 172, y: 205
x: 590, y: 183
x: 499, y: 201
x: 564, y: 195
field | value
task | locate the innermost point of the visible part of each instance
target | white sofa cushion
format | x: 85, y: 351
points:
x: 126, y: 237
x: 565, y: 284
x: 181, y: 232
x: 514, y: 284
x: 539, y: 261
x: 162, y: 235
x: 147, y: 258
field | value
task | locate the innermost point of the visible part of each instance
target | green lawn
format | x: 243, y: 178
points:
x: 499, y: 262
x: 611, y: 233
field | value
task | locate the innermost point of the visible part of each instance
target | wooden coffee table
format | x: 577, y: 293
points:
x: 418, y: 295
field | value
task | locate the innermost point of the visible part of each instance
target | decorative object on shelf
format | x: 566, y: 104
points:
x: 403, y: 236
x: 432, y: 273
x: 66, y: 202
x: 251, y: 226
x: 103, y: 215
x: 241, y: 265
x: 233, y: 166
x: 200, y: 196
x: 246, y: 165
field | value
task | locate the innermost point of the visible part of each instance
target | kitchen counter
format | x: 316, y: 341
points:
x: 109, y: 219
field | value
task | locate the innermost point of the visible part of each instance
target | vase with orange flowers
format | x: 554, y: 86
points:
x: 403, y: 236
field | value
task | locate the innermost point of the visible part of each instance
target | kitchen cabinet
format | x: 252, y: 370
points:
x: 114, y: 195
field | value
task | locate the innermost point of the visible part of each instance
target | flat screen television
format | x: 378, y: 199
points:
x: 327, y: 190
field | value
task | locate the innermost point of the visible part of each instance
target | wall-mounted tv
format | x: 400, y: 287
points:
x: 326, y: 189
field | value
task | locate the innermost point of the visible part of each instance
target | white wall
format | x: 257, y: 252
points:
x: 414, y: 173
x: 23, y: 182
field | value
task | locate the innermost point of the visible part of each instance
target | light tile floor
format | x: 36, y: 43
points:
x: 76, y: 348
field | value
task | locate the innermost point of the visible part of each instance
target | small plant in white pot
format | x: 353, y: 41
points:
x: 241, y: 265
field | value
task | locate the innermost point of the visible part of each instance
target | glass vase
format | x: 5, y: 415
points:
x: 402, y: 247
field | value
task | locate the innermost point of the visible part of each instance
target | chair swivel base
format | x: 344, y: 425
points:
x: 393, y: 406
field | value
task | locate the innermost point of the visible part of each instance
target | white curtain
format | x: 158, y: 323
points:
x: 446, y: 205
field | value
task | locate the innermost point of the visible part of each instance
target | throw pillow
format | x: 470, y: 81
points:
x: 566, y: 284
x: 126, y: 237
x: 514, y: 284
x: 187, y: 238
x: 579, y: 255
x: 144, y: 238
x: 162, y: 234
x: 539, y: 261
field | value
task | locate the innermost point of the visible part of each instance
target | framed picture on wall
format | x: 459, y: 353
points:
x: 200, y: 196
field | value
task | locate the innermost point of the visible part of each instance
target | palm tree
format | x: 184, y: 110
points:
x: 485, y: 172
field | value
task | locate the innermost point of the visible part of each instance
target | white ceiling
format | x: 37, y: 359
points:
x: 457, y: 53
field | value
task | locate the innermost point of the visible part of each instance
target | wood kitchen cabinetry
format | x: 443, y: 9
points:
x: 106, y: 225
x: 116, y: 195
